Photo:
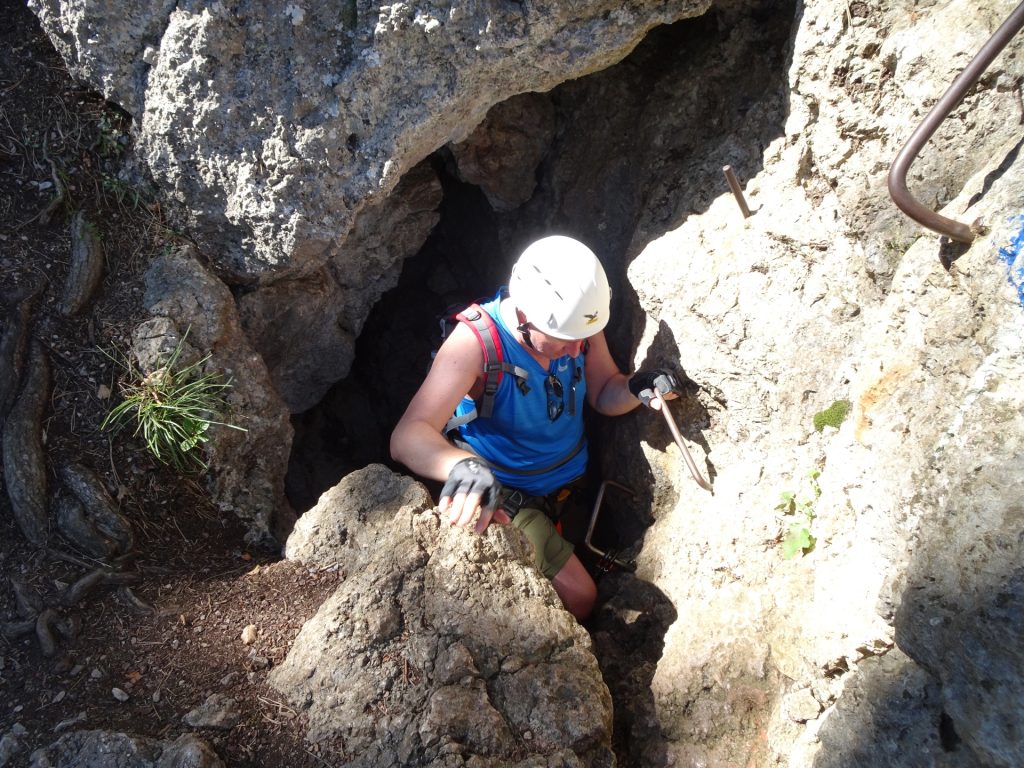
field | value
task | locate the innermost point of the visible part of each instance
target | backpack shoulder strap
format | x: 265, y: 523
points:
x: 486, y: 332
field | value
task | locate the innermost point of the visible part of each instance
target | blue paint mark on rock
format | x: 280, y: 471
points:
x: 1011, y: 255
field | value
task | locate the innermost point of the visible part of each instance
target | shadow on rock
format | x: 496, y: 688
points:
x: 629, y: 629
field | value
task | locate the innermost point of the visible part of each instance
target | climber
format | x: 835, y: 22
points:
x: 515, y: 448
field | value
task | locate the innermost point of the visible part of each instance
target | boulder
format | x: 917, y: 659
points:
x: 441, y: 646
x: 102, y: 749
x: 272, y: 128
x: 277, y: 137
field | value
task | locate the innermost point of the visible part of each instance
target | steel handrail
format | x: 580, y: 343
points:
x: 897, y: 181
x: 694, y: 472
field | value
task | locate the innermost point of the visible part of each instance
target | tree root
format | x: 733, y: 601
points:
x: 86, y: 270
x: 45, y: 624
x: 90, y: 581
x: 14, y: 347
x: 135, y: 603
x: 24, y: 456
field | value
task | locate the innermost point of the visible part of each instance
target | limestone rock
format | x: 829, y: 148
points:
x: 826, y: 293
x: 246, y: 468
x: 10, y: 743
x: 447, y: 643
x: 345, y: 525
x: 306, y: 328
x: 779, y: 315
x: 889, y: 715
x: 218, y: 711
x: 101, y: 749
x: 502, y: 154
x: 801, y: 705
x: 961, y: 615
x: 276, y: 164
x: 117, y: 69
x: 270, y: 157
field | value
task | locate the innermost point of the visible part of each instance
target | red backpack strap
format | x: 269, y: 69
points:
x: 486, y: 332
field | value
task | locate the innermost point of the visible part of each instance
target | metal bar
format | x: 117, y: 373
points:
x: 734, y: 185
x: 605, y: 556
x: 697, y: 476
x: 897, y: 181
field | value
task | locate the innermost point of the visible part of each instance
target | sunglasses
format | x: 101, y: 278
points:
x: 556, y: 399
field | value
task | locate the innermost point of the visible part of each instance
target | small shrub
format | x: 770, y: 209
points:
x: 172, y: 408
x: 832, y: 416
x: 798, y: 537
x: 112, y: 133
x: 115, y: 190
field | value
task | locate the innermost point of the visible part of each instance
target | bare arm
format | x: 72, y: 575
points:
x: 608, y: 387
x: 417, y: 441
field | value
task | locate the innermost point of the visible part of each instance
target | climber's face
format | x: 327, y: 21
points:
x: 552, y: 348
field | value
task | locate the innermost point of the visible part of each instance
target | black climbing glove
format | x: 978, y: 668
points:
x: 642, y: 384
x: 471, y: 476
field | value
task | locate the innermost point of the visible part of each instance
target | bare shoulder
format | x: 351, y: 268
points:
x: 599, y: 368
x: 461, y: 349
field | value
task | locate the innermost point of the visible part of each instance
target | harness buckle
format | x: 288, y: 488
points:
x: 513, y: 502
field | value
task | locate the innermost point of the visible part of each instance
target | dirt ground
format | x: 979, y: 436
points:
x: 137, y: 660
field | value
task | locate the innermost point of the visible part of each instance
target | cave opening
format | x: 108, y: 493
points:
x: 615, y: 159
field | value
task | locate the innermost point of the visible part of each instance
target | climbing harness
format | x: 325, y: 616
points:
x: 551, y: 505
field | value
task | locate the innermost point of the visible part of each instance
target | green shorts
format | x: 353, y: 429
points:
x: 551, y: 551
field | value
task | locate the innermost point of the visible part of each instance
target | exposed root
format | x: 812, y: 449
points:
x: 24, y: 456
x: 29, y: 603
x: 90, y: 581
x: 45, y: 624
x: 86, y: 272
x: 135, y: 603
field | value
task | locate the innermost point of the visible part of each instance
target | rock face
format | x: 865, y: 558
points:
x: 441, y: 647
x: 961, y: 615
x: 306, y: 328
x: 502, y: 154
x: 916, y: 510
x: 272, y: 130
x: 274, y: 125
x: 246, y: 467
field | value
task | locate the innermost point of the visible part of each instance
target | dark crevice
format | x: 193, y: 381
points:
x: 351, y: 426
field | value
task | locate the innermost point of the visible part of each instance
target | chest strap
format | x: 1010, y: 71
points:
x: 525, y: 472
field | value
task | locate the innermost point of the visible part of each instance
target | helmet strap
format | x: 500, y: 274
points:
x: 524, y: 328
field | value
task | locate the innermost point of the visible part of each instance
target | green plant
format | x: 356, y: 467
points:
x: 172, y: 408
x: 121, y: 192
x: 111, y: 134
x: 895, y: 249
x: 832, y: 416
x: 798, y: 536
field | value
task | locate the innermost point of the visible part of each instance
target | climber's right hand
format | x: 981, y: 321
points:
x: 470, y: 496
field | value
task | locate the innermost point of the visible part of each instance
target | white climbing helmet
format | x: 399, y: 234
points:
x: 561, y: 287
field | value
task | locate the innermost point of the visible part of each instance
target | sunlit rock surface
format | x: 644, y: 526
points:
x: 441, y: 647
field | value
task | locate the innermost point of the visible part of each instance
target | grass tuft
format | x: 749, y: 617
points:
x: 172, y: 408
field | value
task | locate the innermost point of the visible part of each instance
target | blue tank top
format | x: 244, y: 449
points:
x: 520, y: 434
